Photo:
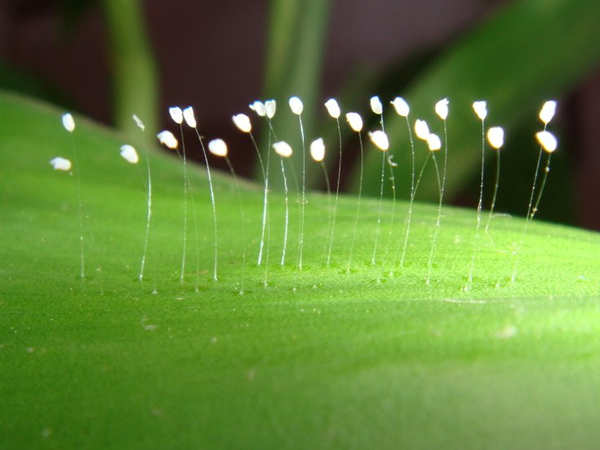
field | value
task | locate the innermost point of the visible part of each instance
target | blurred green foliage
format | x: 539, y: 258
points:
x: 297, y: 31
x: 529, y: 51
x: 135, y: 85
x: 526, y: 52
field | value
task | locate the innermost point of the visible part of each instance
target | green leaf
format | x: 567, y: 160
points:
x: 320, y: 358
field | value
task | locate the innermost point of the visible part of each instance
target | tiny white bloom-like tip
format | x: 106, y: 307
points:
x: 547, y: 140
x: 317, y: 150
x: 401, y: 106
x: 218, y: 147
x: 376, y: 105
x: 355, y: 121
x: 333, y: 108
x: 547, y: 111
x: 296, y: 105
x: 495, y: 137
x: 434, y: 142
x: 138, y: 122
x: 480, y: 109
x: 270, y: 108
x: 129, y: 154
x: 259, y: 108
x: 60, y: 163
x: 190, y: 117
x: 421, y: 129
x: 380, y: 140
x: 441, y: 108
x: 176, y: 114
x: 68, y: 122
x: 283, y: 149
x: 242, y: 122
x: 167, y: 139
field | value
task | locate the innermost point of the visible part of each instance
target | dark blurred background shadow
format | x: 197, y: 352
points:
x: 108, y: 59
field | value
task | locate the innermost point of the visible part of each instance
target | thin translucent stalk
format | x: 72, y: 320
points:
x: 266, y: 204
x: 260, y: 160
x: 534, y: 184
x: 303, y: 198
x: 80, y: 208
x: 412, y: 193
x: 496, y: 186
x: 326, y: 178
x: 80, y: 212
x: 337, y: 194
x: 531, y: 216
x: 479, y: 207
x: 264, y: 222
x: 379, y: 208
x: 535, y: 209
x: 328, y: 187
x: 196, y: 235
x: 421, y: 173
x: 442, y: 188
x: 437, y: 223
x: 445, y: 169
x: 242, y: 222
x: 214, y: 209
x: 393, y: 180
x: 513, y: 276
x: 148, y: 215
x: 357, y: 217
x: 265, y: 198
x: 185, y: 207
x: 286, y: 214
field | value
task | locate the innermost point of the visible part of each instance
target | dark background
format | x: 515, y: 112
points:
x: 212, y: 55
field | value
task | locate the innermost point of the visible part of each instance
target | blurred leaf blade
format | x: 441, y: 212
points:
x: 135, y: 87
x: 528, y: 51
x: 297, y: 31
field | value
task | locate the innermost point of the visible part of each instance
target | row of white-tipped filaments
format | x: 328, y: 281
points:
x: 494, y: 136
